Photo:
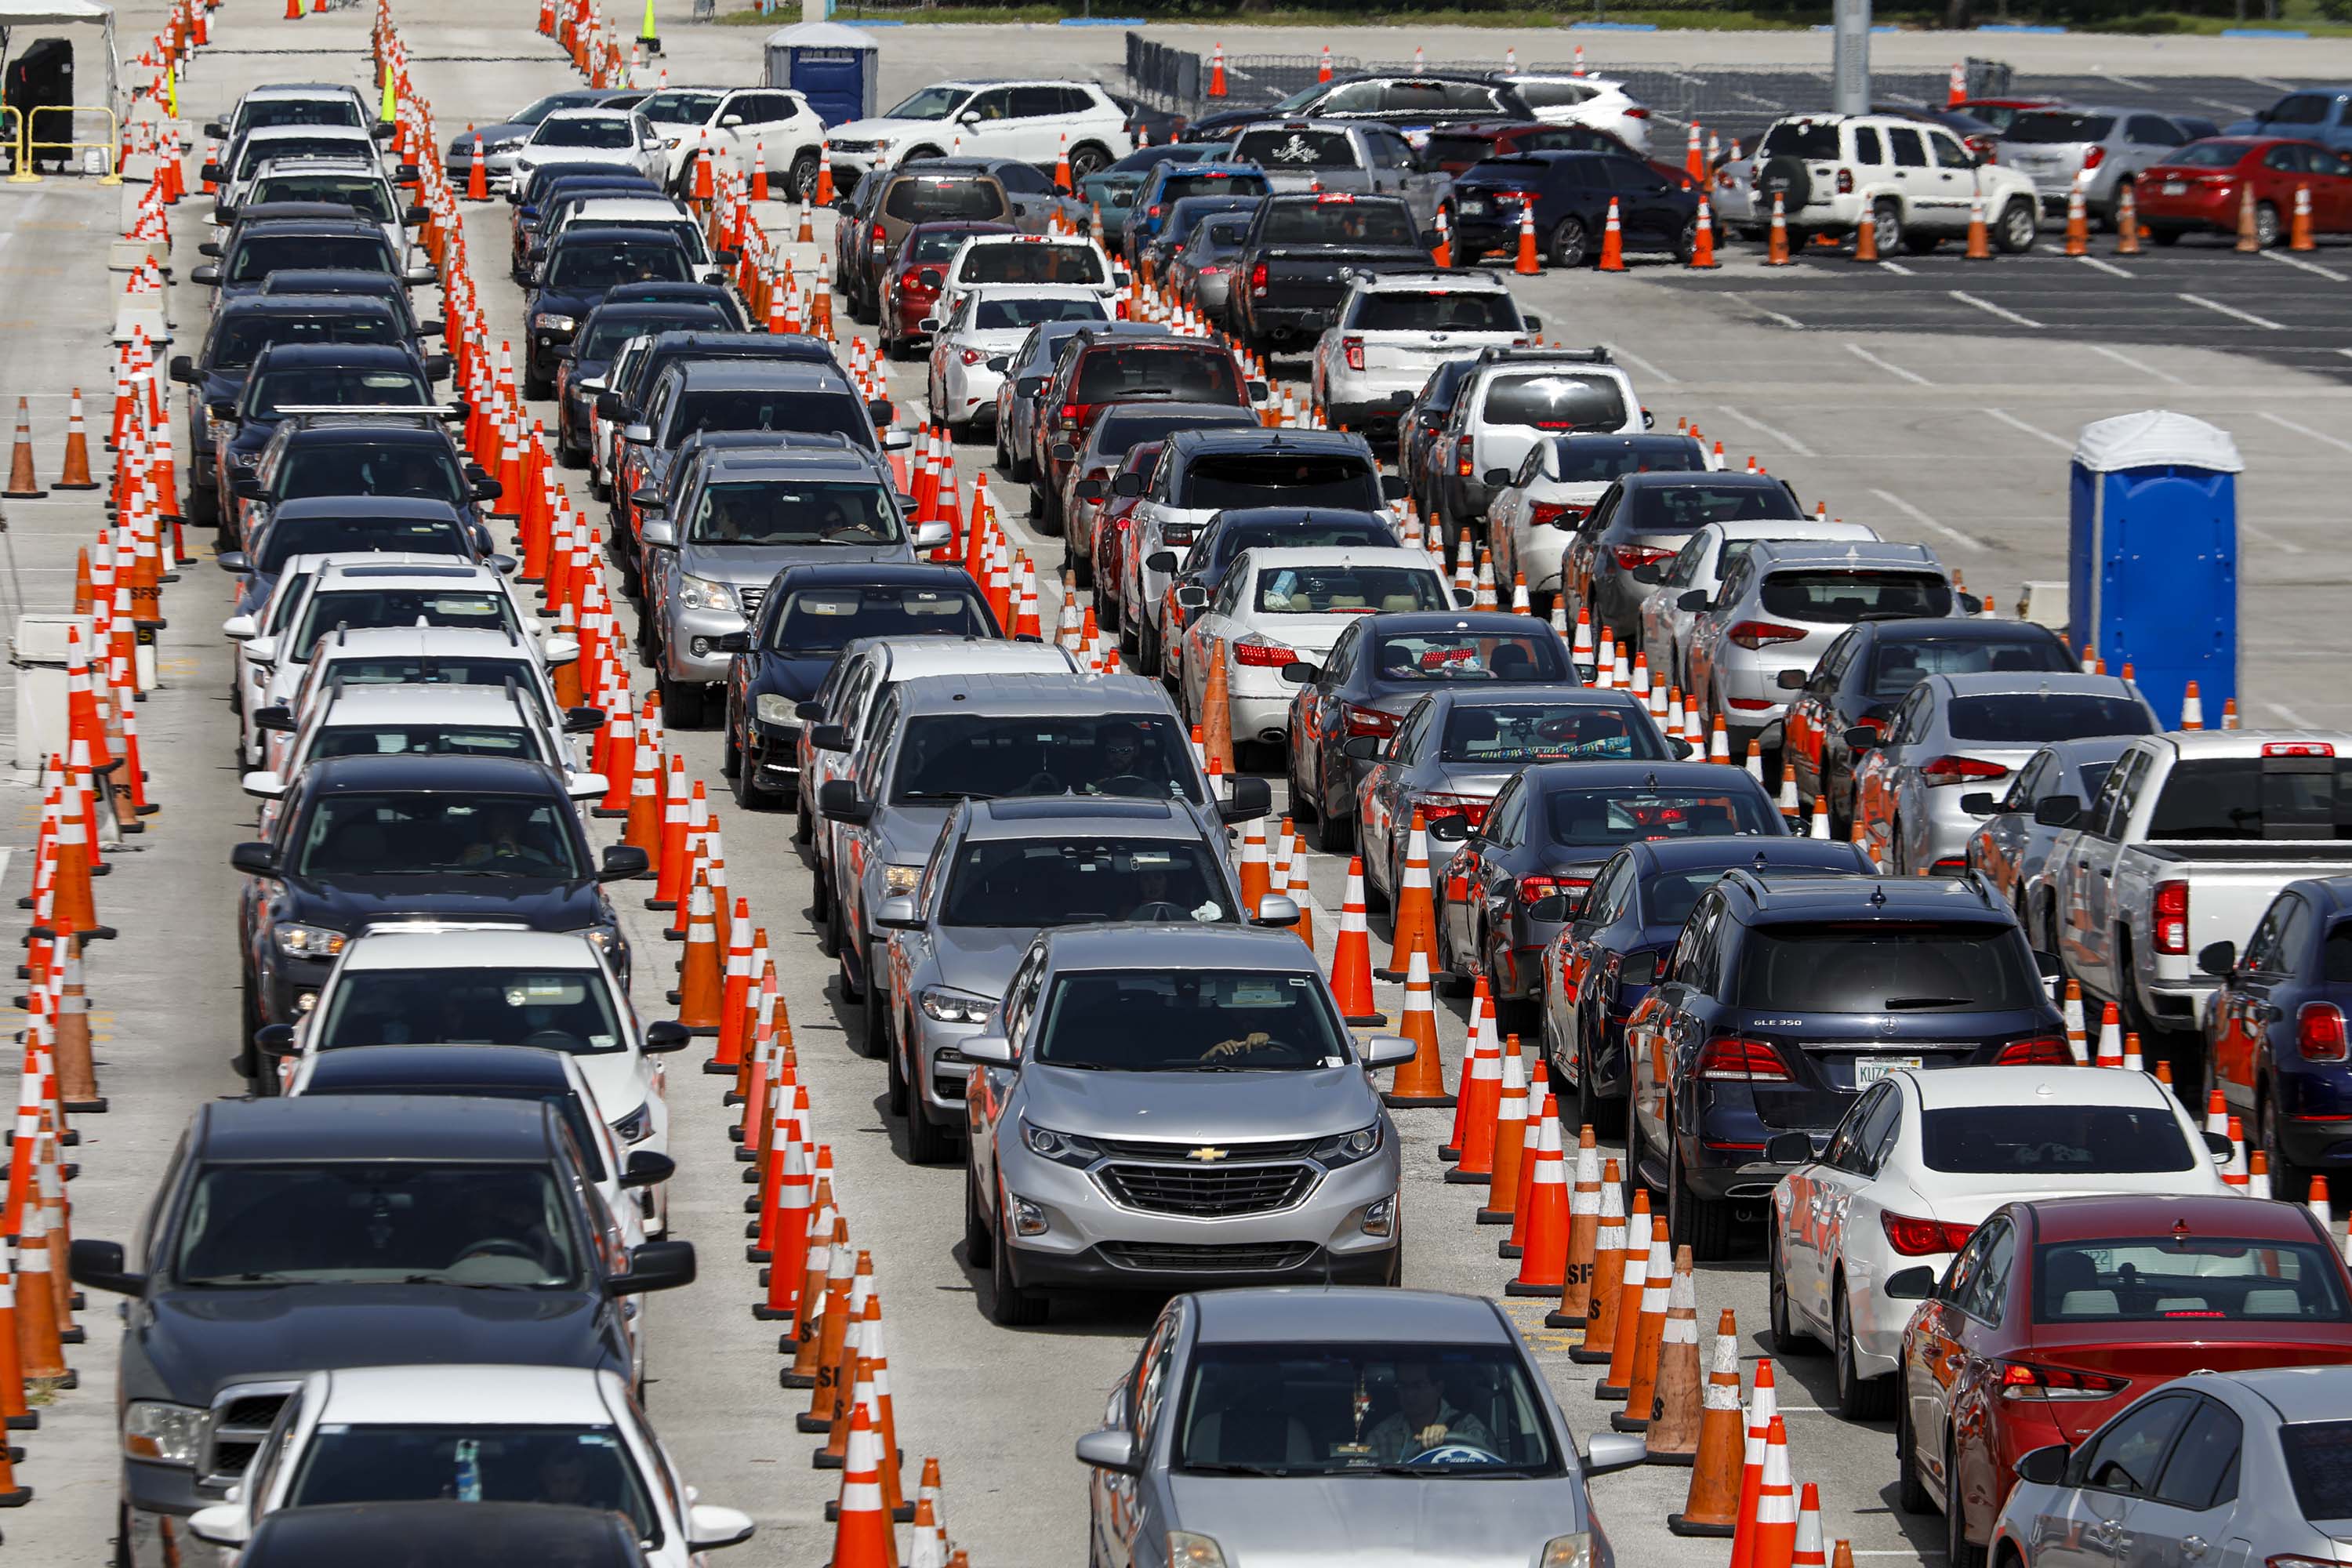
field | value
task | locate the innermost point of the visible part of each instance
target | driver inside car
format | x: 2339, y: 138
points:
x: 1423, y: 1419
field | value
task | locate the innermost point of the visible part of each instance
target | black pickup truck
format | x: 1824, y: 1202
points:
x: 1286, y: 279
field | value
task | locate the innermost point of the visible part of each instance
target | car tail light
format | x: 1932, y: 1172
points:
x: 973, y: 356
x: 1633, y: 557
x: 1529, y: 889
x: 1554, y: 514
x: 1370, y: 721
x: 1153, y: 212
x: 1960, y: 770
x: 911, y: 282
x: 1433, y: 807
x: 881, y: 234
x: 1743, y: 1061
x: 1845, y: 181
x: 1636, y: 111
x: 1920, y: 1237
x: 1070, y: 412
x: 2298, y: 749
x: 1462, y: 457
x: 1354, y: 349
x: 1210, y: 271
x: 1258, y: 279
x: 2094, y: 158
x: 2038, y: 1051
x: 1760, y: 633
x: 2172, y: 918
x: 2319, y: 1032
x: 2023, y: 1380
x: 1257, y: 651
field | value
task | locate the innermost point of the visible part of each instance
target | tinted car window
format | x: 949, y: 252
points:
x: 997, y: 315
x: 1275, y: 147
x: 796, y: 511
x: 244, y: 338
x: 1800, y: 138
x: 1211, y: 183
x: 1455, y: 656
x: 947, y: 757
x: 824, y: 413
x: 1340, y: 220
x: 258, y: 255
x: 1897, y: 667
x: 455, y: 607
x: 492, y: 1464
x: 922, y: 197
x: 286, y: 537
x: 601, y: 263
x: 2203, y: 1469
x: 1544, y: 733
x: 823, y: 620
x: 2155, y: 1278
x: 1344, y: 589
x: 1840, y: 597
x: 2255, y: 798
x: 2059, y: 125
x: 1688, y: 507
x: 1884, y: 966
x: 427, y: 472
x: 565, y: 1010
x: 1223, y: 480
x: 1024, y: 263
x: 1556, y: 400
x: 2319, y: 1463
x: 1121, y: 430
x: 2030, y: 718
x: 2053, y: 1140
x: 1033, y: 883
x: 422, y: 740
x: 1231, y: 540
x: 598, y: 132
x: 386, y: 834
x: 339, y: 386
x: 1592, y: 462
x: 262, y: 1223
x: 1436, y: 311
x: 1195, y: 375
x: 1221, y: 1021
x: 1593, y: 816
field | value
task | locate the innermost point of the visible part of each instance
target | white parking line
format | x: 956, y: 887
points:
x: 2005, y: 313
x: 2039, y: 434
x: 1638, y: 362
x: 1780, y: 435
x: 2264, y: 536
x: 1789, y: 321
x: 2284, y: 259
x: 2140, y: 365
x: 2107, y: 267
x: 2238, y: 109
x: 2286, y: 424
x: 1912, y: 376
x: 2246, y: 316
x: 1964, y: 541
x: 2126, y: 81
x: 1897, y: 268
x: 2294, y: 719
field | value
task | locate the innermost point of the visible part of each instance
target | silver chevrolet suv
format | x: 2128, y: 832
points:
x: 1916, y: 182
x: 1175, y: 1105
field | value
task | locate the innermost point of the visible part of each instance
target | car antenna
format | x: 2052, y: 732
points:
x: 1761, y: 862
x: 1878, y: 896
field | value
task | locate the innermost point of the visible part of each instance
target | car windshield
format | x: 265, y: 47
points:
x: 1227, y: 481
x: 1029, y: 884
x: 598, y: 130
x: 358, y: 607
x: 582, y: 1466
x: 1124, y: 429
x: 1588, y: 815
x: 1211, y: 183
x: 386, y: 834
x: 363, y: 193
x: 1436, y: 311
x: 1140, y: 1020
x: 1027, y: 310
x: 2158, y: 1278
x: 2055, y: 126
x: 287, y: 537
x: 1888, y: 966
x: 1340, y: 219
x: 2033, y: 719
x: 1596, y: 460
x: 435, y: 669
x: 262, y: 150
x: 603, y: 264
x: 931, y: 103
x: 268, y: 395
x: 819, y: 413
x: 426, y: 471
x: 242, y: 339
x: 2277, y: 796
x: 2319, y: 1463
x: 604, y: 336
x: 1520, y: 732
x: 1897, y: 667
x: 1448, y: 655
x: 679, y: 106
x: 1031, y: 261
x: 263, y: 113
x: 1800, y: 138
x: 567, y: 1010
x: 258, y: 255
x: 1304, y: 1408
x: 1687, y: 505
x: 1231, y: 540
x: 1557, y: 400
x: 1188, y: 373
x: 1347, y: 590
x: 795, y: 511
x: 1277, y: 147
x: 2012, y: 1140
x: 1836, y: 596
x: 918, y: 198
x: 956, y: 756
x: 354, y: 1221
x: 424, y: 741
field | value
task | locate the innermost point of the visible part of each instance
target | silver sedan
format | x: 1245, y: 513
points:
x: 1323, y: 1429
x: 2012, y: 849
x: 2216, y: 1466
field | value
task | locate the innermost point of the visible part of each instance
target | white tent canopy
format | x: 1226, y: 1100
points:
x: 15, y: 14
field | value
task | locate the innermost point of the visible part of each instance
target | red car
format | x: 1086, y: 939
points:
x: 1113, y: 523
x: 1454, y: 148
x: 1113, y: 363
x: 2058, y: 1312
x: 910, y: 284
x: 2198, y: 189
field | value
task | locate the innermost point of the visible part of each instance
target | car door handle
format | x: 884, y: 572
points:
x: 2194, y: 1546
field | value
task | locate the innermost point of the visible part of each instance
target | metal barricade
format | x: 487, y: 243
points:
x: 27, y: 145
x: 21, y: 173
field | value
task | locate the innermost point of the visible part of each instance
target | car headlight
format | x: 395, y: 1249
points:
x: 1568, y: 1551
x: 548, y: 321
x: 1063, y: 1148
x: 636, y: 1126
x: 605, y: 939
x: 504, y: 144
x: 295, y: 940
x: 1347, y: 1148
x: 898, y: 880
x: 702, y: 594
x: 954, y: 1007
x: 163, y: 1433
x: 1187, y: 1550
x: 776, y: 708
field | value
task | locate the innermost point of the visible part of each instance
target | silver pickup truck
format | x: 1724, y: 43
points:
x: 2190, y: 837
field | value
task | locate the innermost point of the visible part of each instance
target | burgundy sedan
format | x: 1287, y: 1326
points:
x: 910, y: 284
x: 2058, y: 1312
x: 2199, y: 189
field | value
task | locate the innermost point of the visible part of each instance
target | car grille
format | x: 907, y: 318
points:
x: 839, y: 145
x: 242, y: 1415
x: 1206, y: 1192
x: 752, y: 599
x: 1168, y: 1257
x: 1133, y: 1149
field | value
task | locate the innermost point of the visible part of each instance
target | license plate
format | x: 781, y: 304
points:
x: 2176, y: 188
x: 1473, y: 204
x: 1868, y: 1070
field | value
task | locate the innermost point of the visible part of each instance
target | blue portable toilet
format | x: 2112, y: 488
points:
x: 2153, y: 558
x: 837, y: 68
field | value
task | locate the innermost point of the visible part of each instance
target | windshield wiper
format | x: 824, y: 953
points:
x: 1897, y: 1003
x: 947, y: 794
x: 1448, y: 1470
x: 1222, y: 1468
x: 223, y: 1280
x: 470, y: 1284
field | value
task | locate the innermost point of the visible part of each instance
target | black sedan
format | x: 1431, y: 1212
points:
x: 289, y: 376
x: 582, y: 266
x: 1570, y: 194
x: 1378, y: 670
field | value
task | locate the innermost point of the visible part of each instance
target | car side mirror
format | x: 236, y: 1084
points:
x: 808, y: 713
x: 840, y: 802
x: 1393, y: 488
x: 263, y: 785
x: 247, y: 486
x: 277, y: 718
x: 1649, y: 420
x: 1129, y: 486
x: 1063, y: 452
x: 2217, y: 1145
x: 830, y: 737
x: 928, y: 324
x: 2058, y: 810
x: 608, y: 405
x: 2219, y: 959
x: 1790, y: 680
x: 1275, y: 909
x: 879, y: 409
x: 1385, y: 1051
x: 647, y: 1169
x: 1450, y: 829
x: 1552, y: 908
x: 989, y: 1050
x: 223, y: 1524
x: 654, y: 1266
x: 1029, y: 386
x: 208, y: 275
x: 1789, y: 1148
x: 1429, y: 238
x: 1860, y: 738
x: 1914, y: 1284
x: 622, y: 861
x: 1298, y: 671
x: 1089, y: 490
x: 1641, y: 969
x: 1161, y: 561
x: 1259, y: 392
x: 582, y: 720
x: 1246, y: 800
x: 2044, y: 1467
x: 216, y: 130
x: 415, y: 213
x: 210, y: 247
x: 99, y: 1266
x: 1496, y: 477
x: 1191, y: 596
x: 184, y: 369
x: 240, y: 628
x: 732, y: 642
x: 1694, y: 600
x: 255, y: 859
x: 1606, y: 1451
x: 1112, y: 1448
x: 709, y: 1527
x: 274, y: 1040
x: 658, y: 533
x: 1001, y: 364
x: 1530, y: 324
x: 637, y: 435
x: 233, y: 561
x: 431, y: 329
x: 487, y: 489
x: 439, y: 366
x: 1980, y: 802
x: 667, y: 1035
x: 1362, y: 748
x: 897, y: 913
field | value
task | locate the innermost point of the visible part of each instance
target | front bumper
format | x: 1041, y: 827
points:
x: 157, y: 1500
x: 773, y: 754
x: 940, y: 1073
x: 684, y: 632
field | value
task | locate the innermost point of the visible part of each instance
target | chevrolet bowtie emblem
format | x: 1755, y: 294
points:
x: 1206, y: 1153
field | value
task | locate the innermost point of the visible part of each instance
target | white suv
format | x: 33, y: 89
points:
x: 1029, y: 121
x: 775, y: 122
x: 1914, y: 181
x: 1593, y: 100
x: 1395, y: 328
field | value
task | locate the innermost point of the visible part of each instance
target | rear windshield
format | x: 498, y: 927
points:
x: 1226, y: 479
x: 566, y: 1010
x: 424, y: 741
x: 2046, y: 125
x: 1211, y: 183
x: 1897, y: 667
x: 1436, y: 311
x: 1231, y: 541
x: 1032, y: 883
x: 356, y: 607
x: 365, y: 194
x: 1194, y: 374
x: 1593, y: 462
x: 2033, y: 719
x: 601, y: 263
x: 937, y: 244
x: 824, y: 413
x: 794, y: 511
x: 2153, y: 1279
x: 1591, y: 817
x: 919, y: 198
x: 1834, y: 596
x: 1687, y: 505
x: 241, y: 341
x: 266, y: 113
x: 1884, y: 966
x: 1347, y: 590
x: 1556, y: 400
x: 260, y: 152
x: 333, y: 387
x: 2207, y: 155
x: 2061, y: 1141
x: 1802, y: 140
x: 1546, y: 732
x: 821, y: 620
x: 1457, y: 152
x: 1123, y: 432
x: 980, y: 756
x: 284, y: 539
x: 1022, y: 261
x: 1275, y: 148
x: 259, y: 255
x: 1341, y: 220
x: 1471, y: 656
x: 603, y: 339
x: 597, y: 133
x: 409, y: 469
x: 2255, y: 798
x: 436, y: 670
x: 2319, y: 1463
x: 997, y: 315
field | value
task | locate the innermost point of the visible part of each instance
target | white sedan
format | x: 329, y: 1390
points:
x: 1920, y: 1160
x: 1531, y: 519
x: 620, y: 137
x: 971, y: 346
x: 1280, y: 607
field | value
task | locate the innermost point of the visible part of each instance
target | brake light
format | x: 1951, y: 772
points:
x: 2298, y: 749
x: 1354, y: 349
x: 1960, y: 770
x: 1262, y: 654
x: 2023, y: 1380
x: 1920, y: 1237
x: 1554, y: 514
x: 2040, y: 1051
x: 1370, y: 721
x: 2094, y: 158
x: 1636, y: 111
x: 2319, y: 1032
x: 1433, y: 807
x: 881, y: 234
x: 1070, y: 412
x: 1529, y: 889
x: 973, y: 356
x: 1152, y: 211
x: 2172, y: 918
x: 1761, y: 634
x: 1258, y: 279
x: 1742, y: 1060
x: 1633, y: 557
x: 1845, y: 181
x: 1462, y: 457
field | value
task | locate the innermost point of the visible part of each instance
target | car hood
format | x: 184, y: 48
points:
x: 1223, y: 1107
x: 908, y: 829
x: 538, y: 903
x: 979, y: 959
x: 797, y: 678
x: 757, y: 564
x: 1379, y: 1521
x: 198, y: 1340
x: 491, y: 136
x: 614, y: 1080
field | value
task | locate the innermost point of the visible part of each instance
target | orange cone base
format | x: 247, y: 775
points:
x: 1591, y: 1356
x: 1506, y: 1247
x: 725, y: 1069
x: 815, y: 1426
x: 1417, y: 1101
x: 1682, y: 1461
x: 1496, y: 1216
x: 1620, y: 1421
x: 1564, y: 1321
x: 1617, y: 1391
x: 788, y: 1378
x: 1469, y: 1178
x: 1552, y: 1292
x: 904, y: 1513
x: 1687, y: 1528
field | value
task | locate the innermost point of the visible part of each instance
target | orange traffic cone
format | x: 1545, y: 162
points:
x: 1583, y: 1233
x: 1763, y: 1411
x: 1711, y: 1507
x: 1649, y: 1336
x: 477, y: 175
x: 1216, y: 71
x: 700, y: 972
x: 22, y: 485
x: 1599, y: 1317
x: 1482, y: 1073
x: 76, y: 475
x: 1420, y: 1084
x: 2127, y: 222
x: 1702, y: 256
x: 1543, y: 1257
x: 1776, y: 244
x: 1514, y: 1245
x: 2078, y: 222
x: 1441, y: 254
x: 863, y: 1537
x: 1510, y: 1135
x: 1216, y: 709
x: 1979, y: 250
x: 1776, y: 1503
x: 1413, y: 923
x: 734, y: 990
x: 1612, y: 241
x: 1865, y: 239
x: 2111, y: 1039
x: 1641, y: 1230
x: 2248, y: 236
x: 1474, y: 1157
x: 2299, y: 229
x: 847, y: 1283
x: 1528, y: 264
x: 1675, y: 1403
x: 1808, y: 1549
x: 1351, y: 959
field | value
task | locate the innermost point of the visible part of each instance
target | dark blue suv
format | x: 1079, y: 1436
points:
x: 1787, y: 997
x: 2275, y: 1033
x: 1570, y: 193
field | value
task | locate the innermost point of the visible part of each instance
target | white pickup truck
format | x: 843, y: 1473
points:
x: 2192, y: 836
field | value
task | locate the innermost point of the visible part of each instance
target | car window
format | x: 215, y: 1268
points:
x: 1857, y: 1136
x: 2202, y: 1473
x: 1949, y: 154
x: 2299, y: 108
x: 1508, y: 821
x: 1036, y: 102
x: 2124, y: 1458
x: 1988, y: 1285
x: 2294, y: 932
x: 2154, y: 131
x: 1909, y: 152
x: 2101, y: 818
x: 1866, y: 149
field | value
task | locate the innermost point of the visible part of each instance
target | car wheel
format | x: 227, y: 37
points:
x: 1571, y: 243
x: 1017, y: 467
x: 1959, y: 1551
x: 2020, y: 225
x: 1787, y: 1338
x: 1106, y: 604
x: 828, y: 920
x: 1860, y: 1398
x: 1702, y: 1225
x: 2290, y: 1182
x: 1910, y: 1497
x: 1011, y: 1306
x: 1445, y: 976
x: 843, y: 951
x: 897, y: 1079
x: 751, y: 796
x: 684, y: 704
x: 1298, y: 807
x: 927, y: 1141
x: 247, y: 1060
x: 801, y: 181
x: 1922, y: 244
x: 1334, y: 835
x: 803, y: 826
x: 1086, y: 159
x: 978, y: 1245
x: 535, y: 385
x: 1886, y: 226
x: 2114, y: 217
x: 1150, y: 660
x: 2164, y: 236
x: 1082, y: 572
x: 2267, y: 226
x: 1605, y: 1113
x: 876, y: 1043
